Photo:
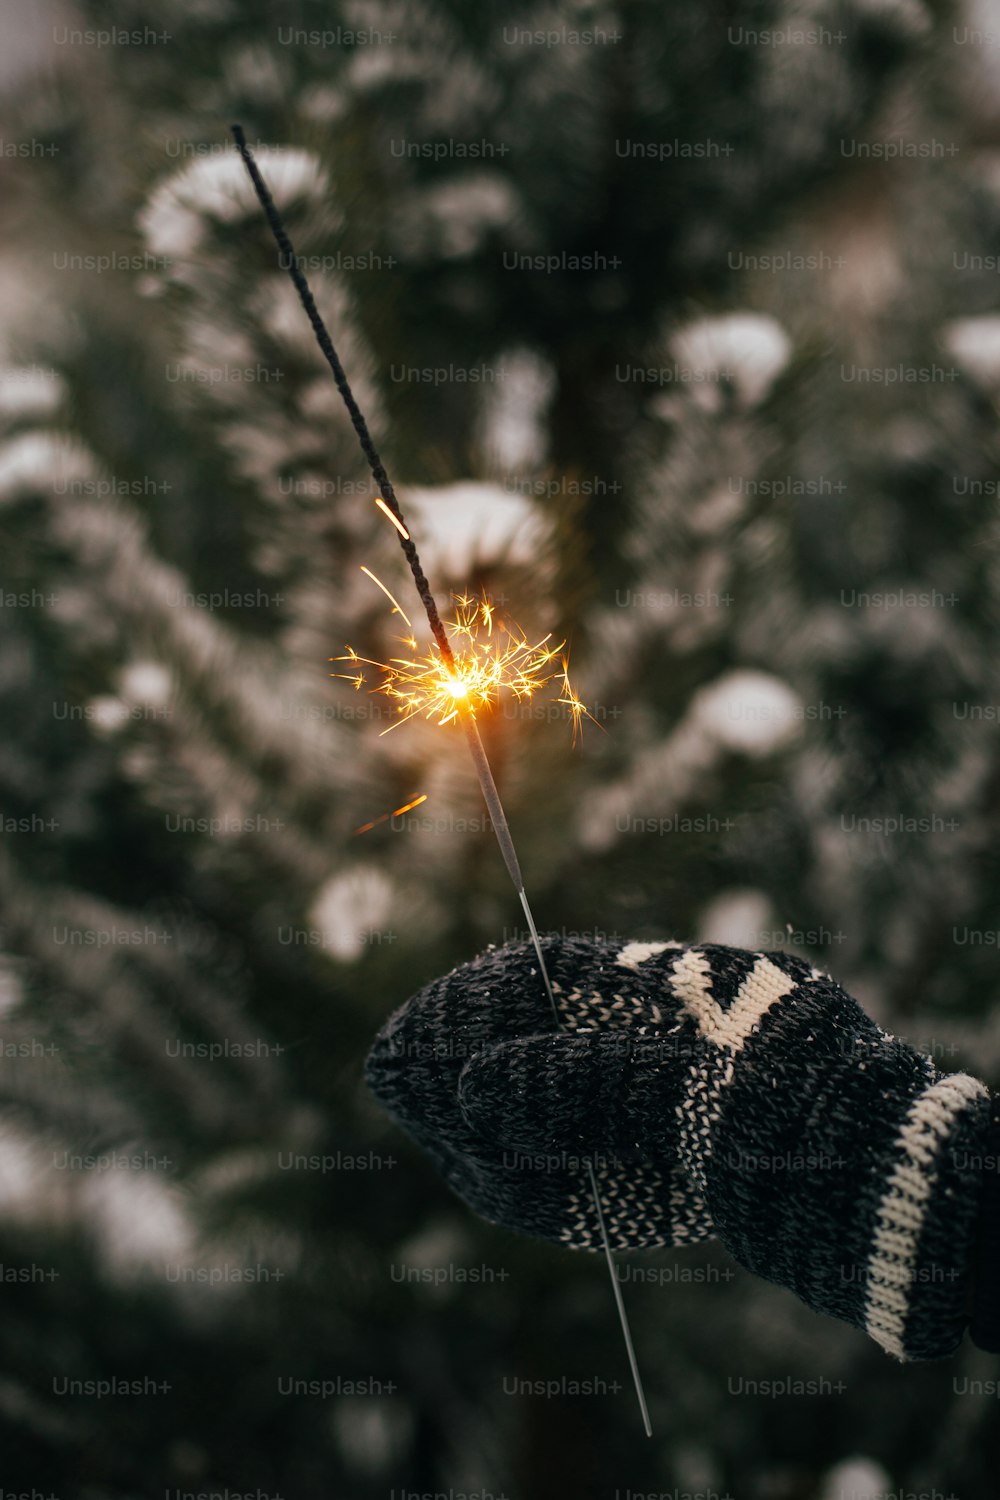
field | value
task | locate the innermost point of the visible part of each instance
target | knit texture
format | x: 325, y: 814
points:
x: 715, y: 1091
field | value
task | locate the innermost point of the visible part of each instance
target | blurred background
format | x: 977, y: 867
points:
x: 679, y: 328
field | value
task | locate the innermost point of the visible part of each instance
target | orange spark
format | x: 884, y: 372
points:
x: 407, y: 807
x: 394, y: 519
x: 395, y: 603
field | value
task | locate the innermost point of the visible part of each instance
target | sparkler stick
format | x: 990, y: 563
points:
x: 389, y: 504
x: 499, y: 821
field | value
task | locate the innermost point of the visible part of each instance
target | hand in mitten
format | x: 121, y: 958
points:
x: 527, y: 1168
x: 714, y: 1090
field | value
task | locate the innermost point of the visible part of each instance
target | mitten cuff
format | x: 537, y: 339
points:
x: 984, y: 1329
x: 873, y: 1218
x: 834, y: 1159
x: 917, y: 1274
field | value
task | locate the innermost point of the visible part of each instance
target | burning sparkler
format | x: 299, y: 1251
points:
x: 442, y: 680
x: 491, y: 658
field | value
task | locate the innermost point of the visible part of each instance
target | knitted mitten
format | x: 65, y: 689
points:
x: 713, y: 1090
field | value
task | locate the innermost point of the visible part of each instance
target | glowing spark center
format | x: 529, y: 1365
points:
x: 492, y: 659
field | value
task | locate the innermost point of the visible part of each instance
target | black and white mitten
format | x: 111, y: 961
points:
x: 714, y: 1091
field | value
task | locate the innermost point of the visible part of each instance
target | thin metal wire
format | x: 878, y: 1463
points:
x: 491, y: 796
x: 289, y: 262
x: 499, y: 820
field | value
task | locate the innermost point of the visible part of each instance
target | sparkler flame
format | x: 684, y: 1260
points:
x: 492, y: 658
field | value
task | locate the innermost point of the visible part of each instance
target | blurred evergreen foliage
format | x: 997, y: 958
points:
x: 697, y: 532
